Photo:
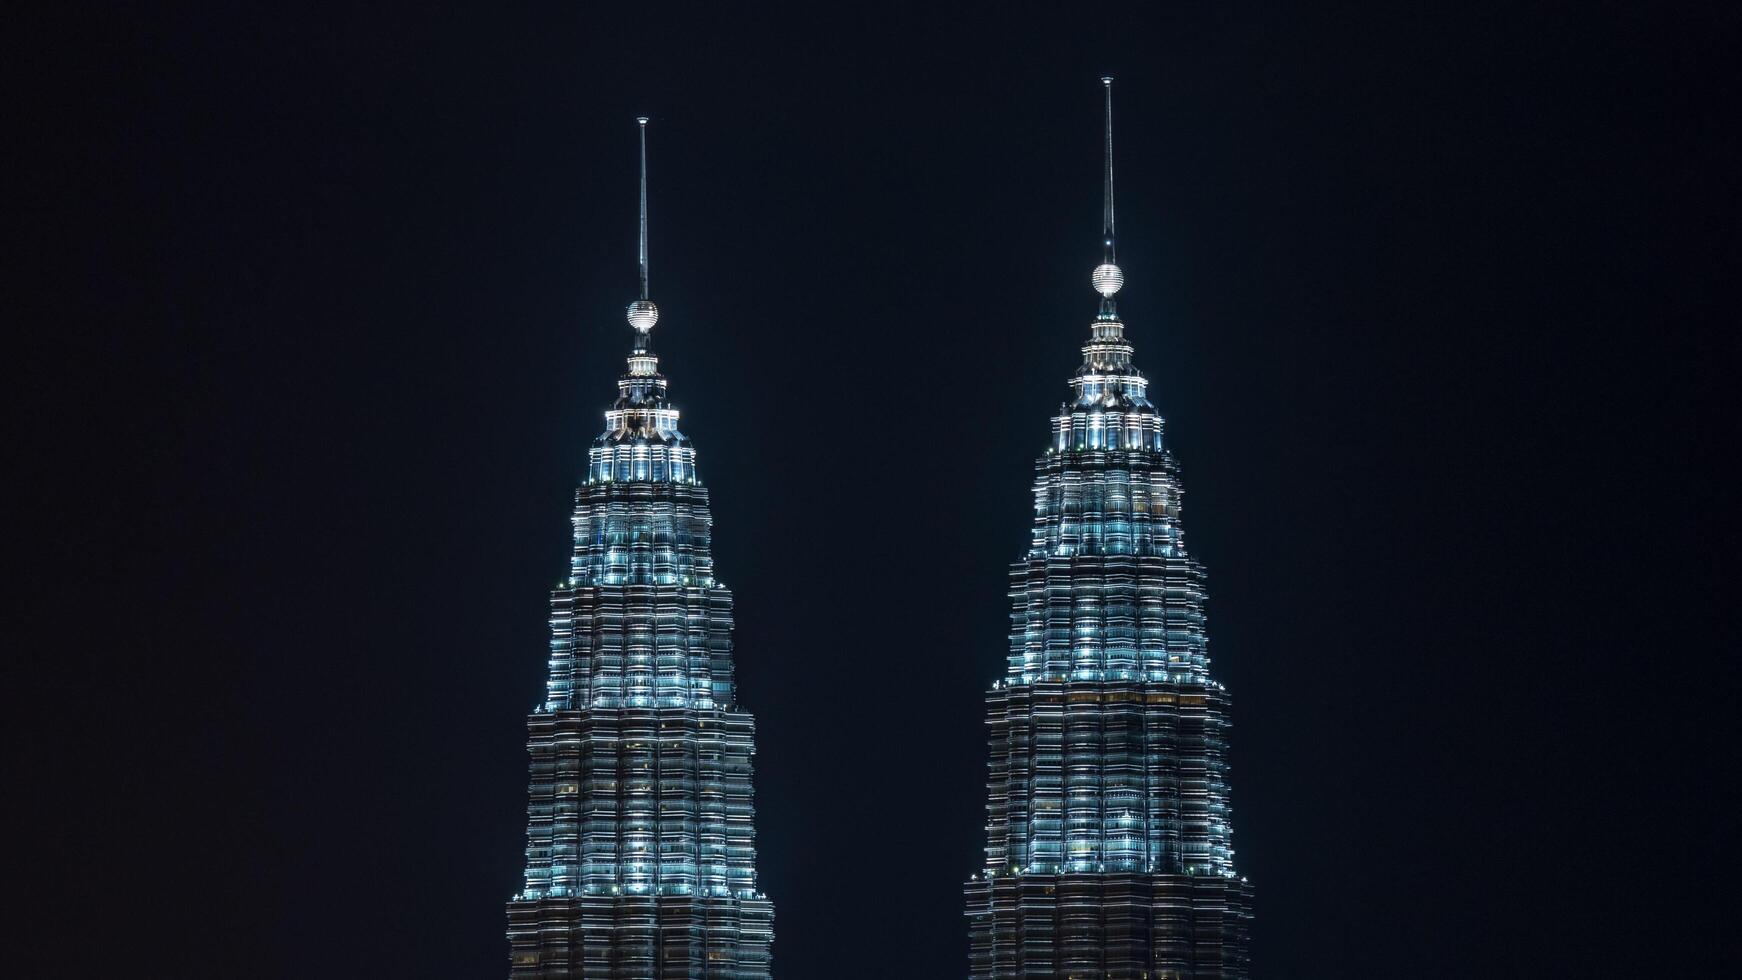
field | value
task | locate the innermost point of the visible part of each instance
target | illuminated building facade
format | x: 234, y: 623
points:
x: 1108, y: 851
x: 641, y: 845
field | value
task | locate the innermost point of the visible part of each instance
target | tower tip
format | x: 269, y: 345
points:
x: 1107, y: 277
x: 643, y: 323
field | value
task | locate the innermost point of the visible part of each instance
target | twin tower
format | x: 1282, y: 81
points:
x: 1108, y: 849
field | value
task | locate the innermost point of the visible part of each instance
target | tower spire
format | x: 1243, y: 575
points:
x: 642, y: 313
x: 1107, y: 183
x: 1107, y: 277
x: 642, y: 123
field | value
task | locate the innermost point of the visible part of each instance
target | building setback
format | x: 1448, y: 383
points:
x: 1108, y: 851
x: 641, y: 844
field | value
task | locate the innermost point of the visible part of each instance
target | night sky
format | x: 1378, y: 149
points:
x: 324, y: 309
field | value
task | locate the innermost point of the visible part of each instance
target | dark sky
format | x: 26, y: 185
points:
x: 325, y: 307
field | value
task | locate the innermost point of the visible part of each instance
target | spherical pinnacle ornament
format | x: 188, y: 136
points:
x: 1108, y: 278
x: 643, y: 315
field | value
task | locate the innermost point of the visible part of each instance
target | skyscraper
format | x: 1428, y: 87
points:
x: 1108, y: 848
x: 640, y: 843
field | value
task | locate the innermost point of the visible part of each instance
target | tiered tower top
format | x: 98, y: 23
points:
x: 1110, y: 408
x: 641, y: 441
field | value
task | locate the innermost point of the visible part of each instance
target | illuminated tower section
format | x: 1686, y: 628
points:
x: 640, y: 844
x: 1108, y: 850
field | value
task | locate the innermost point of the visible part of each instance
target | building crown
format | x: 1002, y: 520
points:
x: 641, y: 441
x: 1106, y: 381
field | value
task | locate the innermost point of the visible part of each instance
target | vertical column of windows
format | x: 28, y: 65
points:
x: 678, y: 786
x: 601, y: 803
x: 1000, y: 814
x: 1082, y: 773
x: 1047, y: 799
x: 1122, y: 778
x: 638, y: 819
x: 740, y: 806
x: 711, y: 806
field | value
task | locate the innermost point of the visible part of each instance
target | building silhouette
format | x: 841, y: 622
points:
x: 641, y: 840
x: 1108, y: 851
